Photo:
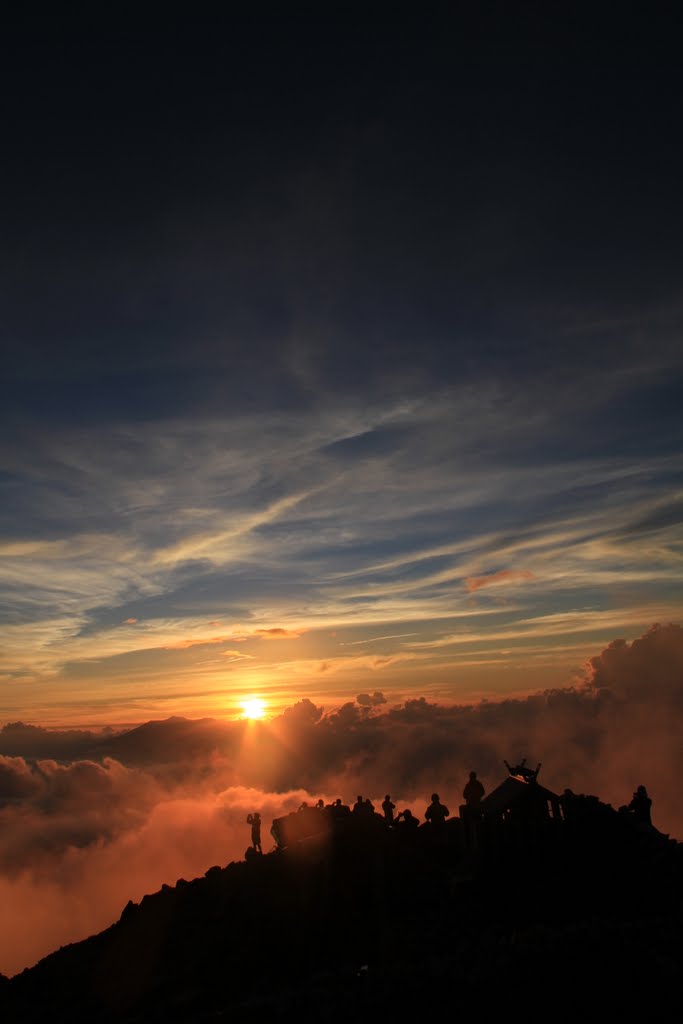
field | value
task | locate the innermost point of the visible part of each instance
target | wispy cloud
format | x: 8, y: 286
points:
x: 375, y: 639
x: 278, y: 633
x: 337, y: 520
x: 493, y: 579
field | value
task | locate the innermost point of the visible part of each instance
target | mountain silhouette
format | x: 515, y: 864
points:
x: 535, y: 903
x: 153, y: 742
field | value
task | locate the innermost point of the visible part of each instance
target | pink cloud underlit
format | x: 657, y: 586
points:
x: 494, y: 578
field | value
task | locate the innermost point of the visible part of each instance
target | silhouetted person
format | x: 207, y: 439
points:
x: 388, y: 807
x: 473, y: 792
x: 320, y: 810
x: 255, y: 821
x: 340, y: 810
x: 437, y: 812
x: 368, y: 806
x: 640, y: 806
x: 407, y: 820
x: 359, y: 806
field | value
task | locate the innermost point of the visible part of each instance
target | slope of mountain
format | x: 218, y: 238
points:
x: 578, y: 917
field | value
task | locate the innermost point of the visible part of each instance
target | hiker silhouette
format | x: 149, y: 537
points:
x: 474, y: 791
x: 388, y: 807
x: 437, y: 812
x: 640, y: 806
x: 255, y: 821
x: 340, y: 810
x: 406, y: 821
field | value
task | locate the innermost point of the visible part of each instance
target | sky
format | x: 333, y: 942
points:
x: 341, y: 368
x: 340, y: 354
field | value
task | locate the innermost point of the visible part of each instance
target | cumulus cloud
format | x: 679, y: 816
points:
x: 645, y: 670
x: 135, y: 809
x: 303, y: 712
x: 371, y: 699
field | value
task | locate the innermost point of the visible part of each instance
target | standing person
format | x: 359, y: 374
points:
x: 437, y: 812
x: 473, y: 793
x: 640, y: 806
x: 388, y: 807
x: 255, y: 821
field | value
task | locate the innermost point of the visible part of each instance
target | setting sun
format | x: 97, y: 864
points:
x: 254, y: 708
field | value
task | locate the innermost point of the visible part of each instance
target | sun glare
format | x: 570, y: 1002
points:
x: 254, y: 708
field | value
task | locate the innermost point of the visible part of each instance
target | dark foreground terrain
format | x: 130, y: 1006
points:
x: 580, y: 917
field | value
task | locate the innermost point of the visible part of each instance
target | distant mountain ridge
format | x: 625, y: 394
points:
x: 351, y: 924
x: 153, y: 742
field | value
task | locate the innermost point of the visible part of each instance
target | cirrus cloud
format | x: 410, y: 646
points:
x: 278, y: 633
x: 493, y: 579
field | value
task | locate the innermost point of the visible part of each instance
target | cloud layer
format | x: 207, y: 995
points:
x: 309, y: 532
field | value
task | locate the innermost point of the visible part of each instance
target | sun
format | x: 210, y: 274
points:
x: 254, y: 708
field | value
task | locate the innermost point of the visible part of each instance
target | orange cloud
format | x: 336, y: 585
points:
x: 277, y: 633
x: 493, y: 578
x: 129, y: 622
x: 182, y: 645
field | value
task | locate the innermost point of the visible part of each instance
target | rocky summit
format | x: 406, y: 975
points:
x: 570, y: 910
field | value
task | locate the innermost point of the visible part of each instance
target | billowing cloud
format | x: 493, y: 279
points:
x: 371, y: 699
x: 646, y: 670
x: 304, y: 712
x: 493, y: 579
x: 62, y: 879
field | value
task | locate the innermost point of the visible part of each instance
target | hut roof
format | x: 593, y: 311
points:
x: 515, y: 790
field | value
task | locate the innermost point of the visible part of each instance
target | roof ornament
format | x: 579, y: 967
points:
x: 520, y: 771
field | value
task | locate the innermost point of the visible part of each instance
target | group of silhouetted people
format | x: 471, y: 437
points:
x: 311, y: 819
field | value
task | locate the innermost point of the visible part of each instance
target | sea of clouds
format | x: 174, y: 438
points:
x: 90, y: 820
